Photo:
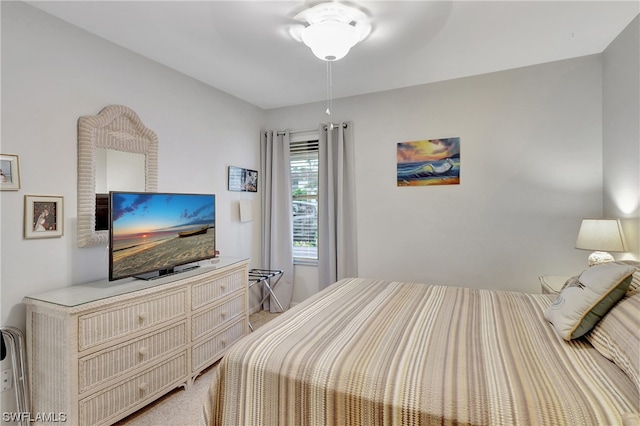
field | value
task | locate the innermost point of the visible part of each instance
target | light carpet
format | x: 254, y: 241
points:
x: 182, y: 407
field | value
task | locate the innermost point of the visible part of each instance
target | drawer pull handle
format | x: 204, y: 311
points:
x: 143, y: 351
x: 223, y: 342
x: 223, y: 287
x: 143, y: 387
x: 223, y: 314
x: 142, y: 316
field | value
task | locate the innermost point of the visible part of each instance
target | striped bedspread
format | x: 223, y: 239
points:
x: 371, y: 352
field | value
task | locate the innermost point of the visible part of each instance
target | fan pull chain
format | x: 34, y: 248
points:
x: 329, y: 110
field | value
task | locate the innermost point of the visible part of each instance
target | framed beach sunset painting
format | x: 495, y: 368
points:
x: 429, y: 162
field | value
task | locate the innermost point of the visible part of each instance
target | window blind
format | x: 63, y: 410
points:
x: 304, y: 190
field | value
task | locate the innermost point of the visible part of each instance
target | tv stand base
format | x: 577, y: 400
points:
x: 165, y: 273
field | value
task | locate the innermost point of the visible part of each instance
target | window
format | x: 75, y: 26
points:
x: 304, y: 191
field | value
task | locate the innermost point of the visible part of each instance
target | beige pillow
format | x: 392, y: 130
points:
x: 578, y: 309
x: 617, y: 336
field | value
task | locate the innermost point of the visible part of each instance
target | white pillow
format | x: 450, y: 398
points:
x: 578, y: 309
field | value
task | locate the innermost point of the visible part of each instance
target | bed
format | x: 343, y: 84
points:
x: 374, y: 352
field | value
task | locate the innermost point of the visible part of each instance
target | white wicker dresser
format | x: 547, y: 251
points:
x: 100, y: 351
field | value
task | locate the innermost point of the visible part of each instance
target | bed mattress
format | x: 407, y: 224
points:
x: 373, y: 352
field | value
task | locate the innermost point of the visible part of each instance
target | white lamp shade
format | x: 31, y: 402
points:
x: 330, y: 40
x: 601, y: 235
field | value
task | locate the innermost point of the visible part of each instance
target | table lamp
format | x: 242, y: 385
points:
x: 602, y: 236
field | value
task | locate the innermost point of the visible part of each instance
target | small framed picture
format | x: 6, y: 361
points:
x: 250, y: 183
x: 43, y: 216
x: 9, y: 172
x: 243, y: 180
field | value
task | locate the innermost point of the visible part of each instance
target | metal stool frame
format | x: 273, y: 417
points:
x: 15, y: 342
x: 264, y: 276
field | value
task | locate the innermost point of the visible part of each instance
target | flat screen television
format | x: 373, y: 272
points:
x: 154, y: 234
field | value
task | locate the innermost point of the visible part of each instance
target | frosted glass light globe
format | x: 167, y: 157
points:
x: 330, y: 40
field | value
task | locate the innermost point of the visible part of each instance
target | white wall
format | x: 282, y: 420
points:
x: 53, y: 73
x: 531, y: 152
x: 621, y: 132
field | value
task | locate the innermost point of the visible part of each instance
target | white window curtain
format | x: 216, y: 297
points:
x: 337, y: 247
x: 277, y: 228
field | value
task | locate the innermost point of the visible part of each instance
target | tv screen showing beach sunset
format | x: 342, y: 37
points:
x: 152, y: 232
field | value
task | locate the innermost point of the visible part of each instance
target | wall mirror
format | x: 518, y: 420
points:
x: 117, y: 170
x: 113, y: 142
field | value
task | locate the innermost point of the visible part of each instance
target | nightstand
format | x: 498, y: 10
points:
x: 551, y: 284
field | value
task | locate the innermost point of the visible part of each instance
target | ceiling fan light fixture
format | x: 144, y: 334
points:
x: 330, y: 40
x: 332, y: 30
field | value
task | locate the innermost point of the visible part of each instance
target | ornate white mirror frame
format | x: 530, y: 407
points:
x: 118, y: 128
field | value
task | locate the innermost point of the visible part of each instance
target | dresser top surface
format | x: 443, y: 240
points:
x: 81, y: 294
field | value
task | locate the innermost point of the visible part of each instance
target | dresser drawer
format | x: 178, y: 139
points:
x: 101, y: 326
x: 96, y: 369
x: 212, y: 349
x: 204, y: 293
x: 205, y: 322
x: 102, y: 406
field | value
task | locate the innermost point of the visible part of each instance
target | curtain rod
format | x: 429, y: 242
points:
x: 344, y: 126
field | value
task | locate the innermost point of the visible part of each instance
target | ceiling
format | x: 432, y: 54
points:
x: 244, y: 48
